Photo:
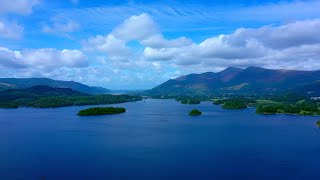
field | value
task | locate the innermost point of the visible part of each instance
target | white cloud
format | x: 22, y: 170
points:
x: 110, y: 44
x: 114, y: 44
x: 8, y: 58
x: 281, y: 37
x: 162, y: 54
x: 10, y: 30
x: 42, y: 58
x: 219, y: 47
x: 61, y: 26
x: 139, y: 28
x: 158, y: 41
x: 17, y: 6
x: 288, y: 46
x: 285, y: 46
x: 136, y: 28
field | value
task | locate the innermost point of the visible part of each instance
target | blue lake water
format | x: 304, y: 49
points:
x: 157, y: 139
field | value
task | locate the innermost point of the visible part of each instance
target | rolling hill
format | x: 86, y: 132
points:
x: 37, y: 92
x: 23, y: 83
x: 252, y: 80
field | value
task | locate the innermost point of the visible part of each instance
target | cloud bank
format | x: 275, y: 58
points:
x: 47, y: 59
x: 10, y: 30
x: 285, y: 46
x: 17, y: 6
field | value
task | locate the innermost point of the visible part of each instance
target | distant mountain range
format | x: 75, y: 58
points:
x: 252, y: 80
x: 23, y: 83
x: 37, y: 92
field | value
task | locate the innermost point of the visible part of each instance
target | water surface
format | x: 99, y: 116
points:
x: 156, y: 139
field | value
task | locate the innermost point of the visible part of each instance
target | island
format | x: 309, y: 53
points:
x: 101, y: 111
x: 195, y: 112
x: 318, y: 123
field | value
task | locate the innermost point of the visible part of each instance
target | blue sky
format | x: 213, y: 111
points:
x: 140, y: 44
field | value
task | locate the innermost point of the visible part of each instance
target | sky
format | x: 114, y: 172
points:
x: 139, y: 44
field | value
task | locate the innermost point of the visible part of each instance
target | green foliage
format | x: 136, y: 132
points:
x: 288, y: 98
x: 267, y: 109
x: 218, y: 101
x: 286, y: 104
x: 234, y: 99
x: 206, y: 97
x: 234, y: 105
x: 195, y: 112
x: 265, y: 101
x: 101, y: 111
x: 51, y: 102
x: 318, y: 123
x: 82, y: 100
x: 46, y: 97
x: 8, y: 105
x: 300, y: 107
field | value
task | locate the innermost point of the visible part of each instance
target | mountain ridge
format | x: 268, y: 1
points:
x: 251, y: 80
x: 23, y: 83
x: 36, y: 92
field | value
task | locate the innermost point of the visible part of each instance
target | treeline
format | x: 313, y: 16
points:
x: 300, y: 108
x: 290, y: 103
x: 60, y: 101
x: 186, y: 100
x: 182, y: 97
x: 234, y: 103
x: 280, y: 104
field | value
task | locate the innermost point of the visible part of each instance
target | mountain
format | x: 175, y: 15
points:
x: 22, y: 83
x: 253, y: 80
x: 37, y: 92
x: 312, y: 89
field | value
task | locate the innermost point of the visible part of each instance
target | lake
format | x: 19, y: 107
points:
x: 157, y: 139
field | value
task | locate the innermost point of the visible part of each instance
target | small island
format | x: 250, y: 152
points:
x: 195, y: 112
x: 318, y: 123
x: 101, y: 111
